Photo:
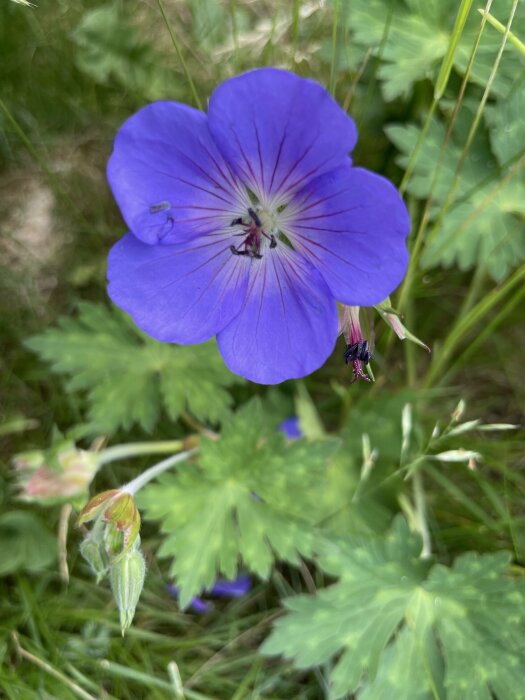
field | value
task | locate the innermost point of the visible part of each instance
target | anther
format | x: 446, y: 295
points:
x: 161, y: 206
x: 254, y: 217
x: 237, y: 222
x: 358, y: 351
x: 237, y: 252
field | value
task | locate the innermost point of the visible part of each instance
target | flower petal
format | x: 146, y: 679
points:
x: 182, y: 293
x: 278, y: 130
x: 169, y: 178
x: 291, y: 428
x: 288, y: 324
x: 351, y: 224
x: 239, y: 587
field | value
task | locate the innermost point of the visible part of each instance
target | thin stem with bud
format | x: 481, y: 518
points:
x: 141, y: 480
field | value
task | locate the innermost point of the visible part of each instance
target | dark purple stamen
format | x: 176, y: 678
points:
x: 255, y: 218
x: 354, y: 355
x: 358, y: 351
x: 253, y: 233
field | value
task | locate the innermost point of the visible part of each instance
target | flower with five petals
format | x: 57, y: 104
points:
x: 250, y: 223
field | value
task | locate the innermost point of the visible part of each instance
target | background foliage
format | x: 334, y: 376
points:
x: 334, y: 523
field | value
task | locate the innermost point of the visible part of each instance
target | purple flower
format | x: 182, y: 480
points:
x: 222, y: 588
x: 291, y: 428
x: 250, y: 223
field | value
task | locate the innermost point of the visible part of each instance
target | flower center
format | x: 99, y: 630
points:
x: 254, y: 233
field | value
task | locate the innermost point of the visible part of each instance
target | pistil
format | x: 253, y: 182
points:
x: 253, y: 236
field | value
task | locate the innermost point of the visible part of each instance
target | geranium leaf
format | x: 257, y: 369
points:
x: 417, y: 38
x: 400, y: 627
x: 484, y: 224
x: 507, y: 126
x: 249, y: 499
x: 128, y: 376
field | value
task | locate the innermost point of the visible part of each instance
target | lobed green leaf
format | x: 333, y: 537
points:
x: 250, y: 499
x: 400, y: 627
x: 128, y: 376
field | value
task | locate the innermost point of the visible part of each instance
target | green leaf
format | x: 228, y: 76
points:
x: 25, y: 543
x: 478, y: 165
x: 418, y: 37
x: 129, y: 376
x: 107, y: 47
x: 250, y: 498
x: 507, y: 126
x: 402, y: 628
x: 413, y: 47
x: 110, y: 49
x: 486, y: 229
x: 484, y: 224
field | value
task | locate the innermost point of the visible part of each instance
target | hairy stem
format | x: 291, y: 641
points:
x: 136, y: 449
x: 141, y: 480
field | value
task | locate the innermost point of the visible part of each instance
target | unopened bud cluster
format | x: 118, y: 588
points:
x: 61, y: 474
x: 113, y: 547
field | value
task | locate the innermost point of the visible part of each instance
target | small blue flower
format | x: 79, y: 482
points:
x: 250, y: 223
x: 291, y: 428
x: 222, y: 588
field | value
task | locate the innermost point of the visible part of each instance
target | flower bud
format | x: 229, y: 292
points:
x: 60, y: 474
x: 459, y: 455
x: 96, y: 506
x: 357, y: 350
x: 118, y: 510
x: 93, y: 552
x: 391, y: 316
x: 458, y: 412
x: 127, y: 580
x: 123, y: 514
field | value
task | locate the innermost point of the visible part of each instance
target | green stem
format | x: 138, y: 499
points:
x: 441, y: 84
x: 146, y: 679
x: 518, y: 165
x: 52, y: 178
x: 133, y: 486
x: 175, y: 43
x: 501, y: 28
x: 475, y: 287
x: 421, y: 513
x: 410, y: 352
x: 415, y: 153
x: 425, y: 217
x: 474, y: 126
x: 334, y: 47
x: 135, y: 449
x: 235, y: 31
x: 487, y: 331
x: 463, y: 326
x: 296, y: 15
x: 45, y: 666
x: 448, y: 61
